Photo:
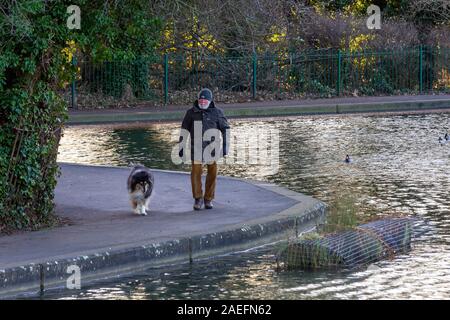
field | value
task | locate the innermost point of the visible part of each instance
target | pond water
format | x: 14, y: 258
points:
x: 398, y: 168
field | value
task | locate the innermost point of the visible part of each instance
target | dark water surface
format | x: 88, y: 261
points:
x: 398, y: 167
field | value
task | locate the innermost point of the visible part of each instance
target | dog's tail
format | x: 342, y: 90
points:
x: 135, y: 165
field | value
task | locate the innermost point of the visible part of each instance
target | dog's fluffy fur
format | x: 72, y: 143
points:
x: 140, y: 187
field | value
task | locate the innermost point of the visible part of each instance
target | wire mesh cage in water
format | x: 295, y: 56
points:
x: 363, y: 245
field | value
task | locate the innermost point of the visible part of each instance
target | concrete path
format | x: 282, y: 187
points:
x: 269, y: 108
x: 102, y: 223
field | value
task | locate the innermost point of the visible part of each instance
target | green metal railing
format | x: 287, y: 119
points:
x: 175, y: 79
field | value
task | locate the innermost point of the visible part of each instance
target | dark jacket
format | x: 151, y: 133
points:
x: 211, y: 118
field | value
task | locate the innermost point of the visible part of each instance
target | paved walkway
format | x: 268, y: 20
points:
x: 276, y: 103
x: 96, y: 201
x: 269, y: 108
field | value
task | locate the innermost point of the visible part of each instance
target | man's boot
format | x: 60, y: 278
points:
x: 198, y: 204
x: 208, y: 204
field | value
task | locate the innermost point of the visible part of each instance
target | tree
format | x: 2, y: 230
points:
x: 427, y: 14
x: 35, y: 62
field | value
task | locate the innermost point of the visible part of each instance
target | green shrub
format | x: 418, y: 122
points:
x: 34, y: 63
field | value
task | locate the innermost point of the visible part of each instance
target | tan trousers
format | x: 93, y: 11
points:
x: 196, y: 180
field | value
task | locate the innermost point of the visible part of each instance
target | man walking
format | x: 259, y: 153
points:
x: 205, y: 117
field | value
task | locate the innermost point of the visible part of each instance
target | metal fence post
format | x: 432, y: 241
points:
x: 166, y: 79
x: 338, y: 85
x: 73, y: 87
x: 254, y: 75
x: 421, y: 68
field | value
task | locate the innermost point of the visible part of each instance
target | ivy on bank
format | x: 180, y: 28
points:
x: 34, y: 64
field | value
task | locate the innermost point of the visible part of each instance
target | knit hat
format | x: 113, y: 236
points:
x: 205, y: 93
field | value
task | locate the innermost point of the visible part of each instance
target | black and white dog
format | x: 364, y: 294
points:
x: 140, y: 186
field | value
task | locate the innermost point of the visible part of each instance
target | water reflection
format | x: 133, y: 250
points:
x: 398, y: 167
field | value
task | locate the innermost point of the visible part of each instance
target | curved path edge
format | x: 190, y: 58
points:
x: 34, y: 279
